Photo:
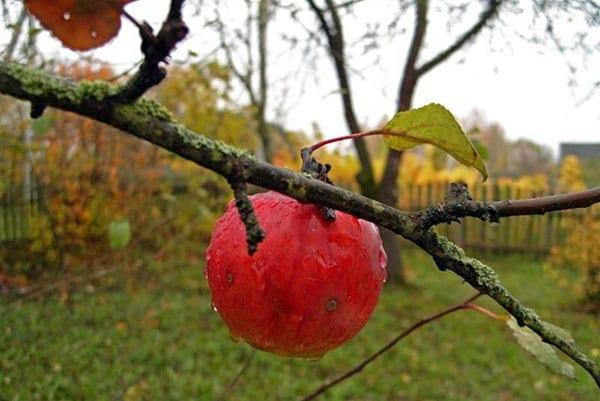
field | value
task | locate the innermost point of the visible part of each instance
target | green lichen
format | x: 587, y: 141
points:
x: 219, y: 148
x: 152, y: 108
x: 97, y: 90
x: 485, y: 276
x: 38, y: 83
x: 451, y: 250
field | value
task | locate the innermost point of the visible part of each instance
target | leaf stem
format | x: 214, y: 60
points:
x: 351, y: 136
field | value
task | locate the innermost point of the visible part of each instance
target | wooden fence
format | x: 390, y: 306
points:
x: 528, y: 234
x: 16, y: 215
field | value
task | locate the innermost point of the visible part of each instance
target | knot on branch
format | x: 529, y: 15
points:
x: 254, y: 233
x: 319, y: 171
x: 458, y: 204
x: 156, y: 50
x: 37, y: 109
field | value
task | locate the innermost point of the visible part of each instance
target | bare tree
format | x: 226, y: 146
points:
x: 332, y: 28
x: 246, y: 54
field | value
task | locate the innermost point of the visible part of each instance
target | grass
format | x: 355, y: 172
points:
x: 153, y: 336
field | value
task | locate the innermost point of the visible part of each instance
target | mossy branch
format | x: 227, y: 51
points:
x: 149, y: 121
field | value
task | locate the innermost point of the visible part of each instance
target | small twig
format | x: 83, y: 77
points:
x: 125, y: 73
x: 358, y: 368
x: 545, y: 204
x: 459, y: 204
x: 254, y: 233
x: 319, y: 171
x: 485, y: 311
x: 37, y: 109
x: 227, y: 390
x: 141, y: 27
x: 157, y: 50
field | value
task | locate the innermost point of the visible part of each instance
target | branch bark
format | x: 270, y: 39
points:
x: 156, y: 50
x: 469, y: 34
x: 459, y: 204
x: 149, y: 121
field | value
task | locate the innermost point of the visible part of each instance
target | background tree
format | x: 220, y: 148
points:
x: 335, y: 20
x: 245, y: 50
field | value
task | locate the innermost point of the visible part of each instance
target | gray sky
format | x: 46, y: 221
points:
x: 524, y: 87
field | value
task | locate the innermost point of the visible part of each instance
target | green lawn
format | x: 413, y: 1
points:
x: 153, y: 336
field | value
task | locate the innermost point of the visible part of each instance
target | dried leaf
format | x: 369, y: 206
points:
x: 543, y: 352
x: 80, y: 24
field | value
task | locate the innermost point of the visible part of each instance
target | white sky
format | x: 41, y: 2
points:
x: 524, y: 87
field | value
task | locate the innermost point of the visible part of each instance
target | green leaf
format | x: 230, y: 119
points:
x: 119, y: 233
x: 543, y: 352
x: 435, y: 125
x: 481, y: 149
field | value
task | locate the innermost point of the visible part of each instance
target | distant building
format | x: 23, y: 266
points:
x: 584, y: 151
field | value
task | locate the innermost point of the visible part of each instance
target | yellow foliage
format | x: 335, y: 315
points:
x: 530, y: 184
x: 571, y: 176
x: 576, y: 263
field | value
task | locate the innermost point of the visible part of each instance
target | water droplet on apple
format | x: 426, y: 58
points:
x: 383, y: 259
x: 213, y: 306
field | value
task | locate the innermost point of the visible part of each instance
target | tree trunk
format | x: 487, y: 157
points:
x: 388, y: 193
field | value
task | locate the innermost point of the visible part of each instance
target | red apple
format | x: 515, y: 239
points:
x: 310, y: 287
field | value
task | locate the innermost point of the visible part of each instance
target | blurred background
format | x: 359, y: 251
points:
x: 102, y: 236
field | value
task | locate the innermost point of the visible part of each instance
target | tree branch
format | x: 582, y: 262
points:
x: 459, y: 204
x: 149, y: 121
x: 449, y: 256
x: 485, y: 16
x: 245, y: 366
x: 335, y: 41
x: 358, y: 368
x: 254, y: 234
x: 17, y: 29
x: 387, y: 185
x: 156, y: 50
x: 546, y: 204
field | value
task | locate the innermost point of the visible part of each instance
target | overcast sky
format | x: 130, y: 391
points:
x: 522, y: 86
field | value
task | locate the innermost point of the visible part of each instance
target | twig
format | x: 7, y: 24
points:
x: 358, y: 368
x: 547, y: 204
x: 227, y: 390
x: 157, y: 50
x: 254, y: 233
x: 459, y: 203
